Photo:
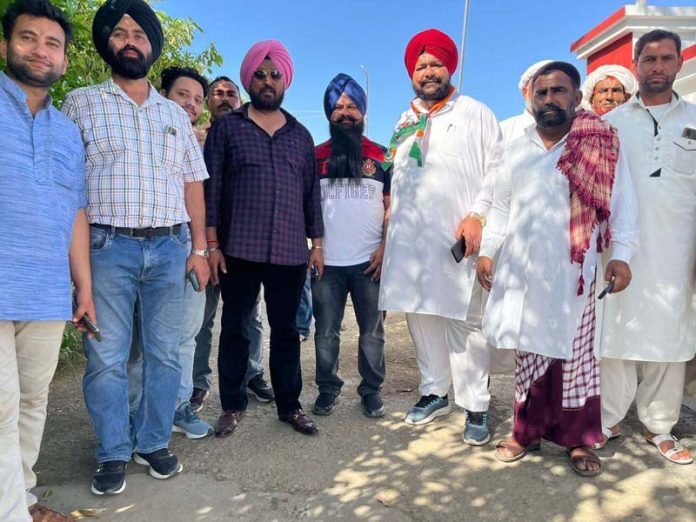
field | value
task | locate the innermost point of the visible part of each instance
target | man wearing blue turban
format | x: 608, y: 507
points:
x: 355, y: 207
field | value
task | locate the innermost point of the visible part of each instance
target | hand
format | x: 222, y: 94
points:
x: 85, y: 305
x: 200, y: 266
x: 620, y: 273
x: 216, y: 261
x: 376, y: 263
x: 484, y: 272
x: 316, y: 259
x: 471, y: 229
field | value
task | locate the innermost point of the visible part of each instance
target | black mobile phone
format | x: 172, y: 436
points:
x: 194, y: 280
x: 458, y: 250
x: 89, y: 324
x: 607, y: 290
x: 314, y: 272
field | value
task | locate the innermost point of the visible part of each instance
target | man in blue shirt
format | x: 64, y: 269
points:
x: 46, y: 238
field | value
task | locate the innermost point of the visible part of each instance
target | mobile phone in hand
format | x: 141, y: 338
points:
x: 194, y: 280
x: 607, y: 290
x: 458, y: 249
x: 89, y: 324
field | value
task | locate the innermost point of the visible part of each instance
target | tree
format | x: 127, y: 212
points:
x: 87, y: 67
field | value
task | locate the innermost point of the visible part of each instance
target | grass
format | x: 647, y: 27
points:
x: 71, y: 347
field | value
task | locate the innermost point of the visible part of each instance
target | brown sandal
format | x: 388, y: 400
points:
x: 588, y: 457
x: 512, y: 445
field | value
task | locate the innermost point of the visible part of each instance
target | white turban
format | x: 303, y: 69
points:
x: 530, y: 72
x: 602, y: 73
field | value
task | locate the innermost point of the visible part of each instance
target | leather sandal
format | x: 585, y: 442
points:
x: 670, y: 453
x: 607, y: 436
x: 588, y: 457
x: 507, y: 444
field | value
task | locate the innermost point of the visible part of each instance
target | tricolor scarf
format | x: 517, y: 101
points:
x: 589, y: 162
x: 417, y: 127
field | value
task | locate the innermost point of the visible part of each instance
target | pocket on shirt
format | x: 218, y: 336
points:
x: 684, y: 155
x: 63, y: 171
x: 107, y: 142
x: 172, y: 154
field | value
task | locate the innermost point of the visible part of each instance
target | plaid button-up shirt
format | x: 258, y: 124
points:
x: 138, y: 156
x: 263, y: 193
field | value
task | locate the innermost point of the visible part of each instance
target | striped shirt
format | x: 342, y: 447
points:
x: 138, y: 156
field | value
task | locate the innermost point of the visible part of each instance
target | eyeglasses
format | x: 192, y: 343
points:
x: 262, y: 74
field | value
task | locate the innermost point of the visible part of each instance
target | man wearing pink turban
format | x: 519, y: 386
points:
x: 272, y: 50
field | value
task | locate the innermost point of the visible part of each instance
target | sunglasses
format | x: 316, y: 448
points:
x: 262, y: 74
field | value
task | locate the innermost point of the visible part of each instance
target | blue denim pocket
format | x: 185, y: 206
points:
x: 99, y: 239
x: 183, y: 238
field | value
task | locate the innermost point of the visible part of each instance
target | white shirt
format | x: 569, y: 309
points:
x: 514, y: 127
x: 461, y: 154
x: 655, y: 318
x: 533, y: 306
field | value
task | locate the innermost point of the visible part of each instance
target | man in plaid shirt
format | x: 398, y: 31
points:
x: 144, y: 184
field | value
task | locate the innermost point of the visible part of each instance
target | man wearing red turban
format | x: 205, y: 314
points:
x: 445, y: 151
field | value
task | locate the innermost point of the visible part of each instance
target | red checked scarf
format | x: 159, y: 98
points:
x: 589, y: 162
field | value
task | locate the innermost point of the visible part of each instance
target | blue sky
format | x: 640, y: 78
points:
x: 326, y: 37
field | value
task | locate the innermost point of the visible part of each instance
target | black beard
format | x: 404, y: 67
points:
x: 19, y: 70
x: 656, y: 88
x: 551, y: 116
x: 346, y: 151
x: 440, y: 93
x: 127, y: 67
x: 264, y: 104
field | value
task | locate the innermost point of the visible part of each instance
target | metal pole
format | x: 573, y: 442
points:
x: 367, y: 96
x: 463, y: 43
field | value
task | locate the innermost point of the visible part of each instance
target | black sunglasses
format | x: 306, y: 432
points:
x: 262, y: 74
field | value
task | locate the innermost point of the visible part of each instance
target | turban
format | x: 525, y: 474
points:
x: 602, y: 73
x: 343, y: 83
x: 274, y: 51
x: 112, y: 11
x: 530, y: 72
x: 433, y: 42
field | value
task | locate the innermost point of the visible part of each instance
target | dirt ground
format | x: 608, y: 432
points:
x: 363, y: 469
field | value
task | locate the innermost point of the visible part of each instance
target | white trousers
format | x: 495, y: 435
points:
x: 658, y: 396
x: 449, y: 351
x: 28, y: 357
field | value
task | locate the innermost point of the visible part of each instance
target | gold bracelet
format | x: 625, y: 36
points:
x: 316, y: 247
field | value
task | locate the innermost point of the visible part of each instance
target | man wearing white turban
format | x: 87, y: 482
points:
x: 514, y: 127
x: 607, y: 87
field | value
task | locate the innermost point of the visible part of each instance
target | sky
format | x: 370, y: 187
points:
x: 325, y: 37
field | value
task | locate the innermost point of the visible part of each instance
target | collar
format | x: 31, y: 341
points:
x: 370, y: 149
x: 243, y: 111
x: 418, y: 104
x: 637, y: 101
x: 13, y: 89
x: 153, y: 97
x: 533, y: 135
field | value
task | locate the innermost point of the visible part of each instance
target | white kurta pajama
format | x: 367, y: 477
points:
x: 461, y: 153
x: 651, y: 327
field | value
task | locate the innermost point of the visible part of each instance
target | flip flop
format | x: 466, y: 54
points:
x: 589, y: 457
x: 658, y: 439
x: 505, y: 444
x: 609, y: 436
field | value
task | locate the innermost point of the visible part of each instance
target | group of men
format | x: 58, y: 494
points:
x: 546, y: 216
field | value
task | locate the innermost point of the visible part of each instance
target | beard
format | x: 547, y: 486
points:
x: 127, y: 67
x: 262, y: 101
x: 440, y: 93
x: 550, y: 116
x: 346, y: 149
x: 657, y: 85
x: 20, y: 69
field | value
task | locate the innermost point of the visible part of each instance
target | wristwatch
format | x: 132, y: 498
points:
x: 202, y: 253
x: 478, y: 217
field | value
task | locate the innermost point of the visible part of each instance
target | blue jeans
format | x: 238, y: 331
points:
x: 329, y: 297
x: 151, y: 272
x: 202, y: 373
x: 304, y: 312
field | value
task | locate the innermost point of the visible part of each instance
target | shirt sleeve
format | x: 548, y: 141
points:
x: 194, y: 165
x: 314, y: 226
x: 81, y: 170
x: 386, y: 190
x: 624, y: 213
x: 497, y: 222
x: 492, y: 157
x: 69, y: 107
x: 214, y: 153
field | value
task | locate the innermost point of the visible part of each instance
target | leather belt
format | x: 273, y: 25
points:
x: 142, y: 233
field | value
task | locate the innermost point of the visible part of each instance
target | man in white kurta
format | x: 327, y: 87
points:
x: 514, y: 127
x: 538, y: 304
x: 433, y: 204
x: 650, y: 330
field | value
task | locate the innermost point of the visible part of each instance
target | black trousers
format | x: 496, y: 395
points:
x: 282, y: 289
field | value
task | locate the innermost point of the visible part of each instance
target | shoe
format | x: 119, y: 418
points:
x: 428, y: 408
x: 476, y: 432
x: 162, y: 463
x: 300, y: 422
x: 303, y: 337
x: 228, y: 423
x: 373, y: 405
x: 325, y: 403
x: 260, y: 389
x: 110, y: 478
x: 40, y: 513
x: 189, y: 423
x: 198, y: 397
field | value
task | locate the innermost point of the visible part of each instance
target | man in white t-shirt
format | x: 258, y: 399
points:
x: 355, y: 207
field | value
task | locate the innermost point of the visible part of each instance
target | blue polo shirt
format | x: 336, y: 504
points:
x: 42, y: 185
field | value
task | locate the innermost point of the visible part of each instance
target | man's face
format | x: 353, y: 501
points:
x: 35, y: 51
x: 267, y: 87
x: 130, y: 50
x: 223, y: 97
x: 607, y: 95
x: 431, y: 79
x: 554, y: 100
x: 346, y: 113
x: 657, y: 66
x: 188, y: 93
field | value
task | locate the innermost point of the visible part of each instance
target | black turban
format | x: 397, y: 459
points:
x: 112, y: 11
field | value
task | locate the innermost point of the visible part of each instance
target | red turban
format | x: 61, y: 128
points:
x: 433, y: 42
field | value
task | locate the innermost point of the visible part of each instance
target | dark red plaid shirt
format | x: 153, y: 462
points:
x: 263, y: 194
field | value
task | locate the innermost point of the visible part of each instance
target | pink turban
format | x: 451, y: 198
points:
x: 274, y: 51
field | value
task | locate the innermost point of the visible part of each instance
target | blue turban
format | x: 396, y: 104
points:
x: 343, y: 83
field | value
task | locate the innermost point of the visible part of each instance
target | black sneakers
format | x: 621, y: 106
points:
x: 110, y: 478
x: 325, y: 403
x: 198, y: 397
x: 260, y: 389
x: 162, y: 463
x: 373, y: 405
